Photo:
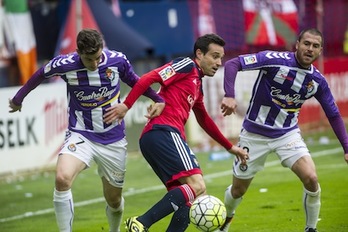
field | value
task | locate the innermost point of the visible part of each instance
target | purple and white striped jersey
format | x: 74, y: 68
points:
x: 91, y: 92
x: 282, y: 86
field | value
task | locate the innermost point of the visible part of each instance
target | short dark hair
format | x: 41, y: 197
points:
x: 203, y: 42
x: 89, y: 41
x: 312, y: 31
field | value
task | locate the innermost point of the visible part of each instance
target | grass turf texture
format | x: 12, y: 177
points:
x: 26, y: 203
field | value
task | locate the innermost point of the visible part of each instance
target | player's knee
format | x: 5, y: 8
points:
x: 198, y: 187
x: 311, y: 182
x: 63, y: 182
x: 238, y: 191
x: 114, y: 202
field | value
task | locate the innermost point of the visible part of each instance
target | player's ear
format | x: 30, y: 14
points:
x: 199, y: 54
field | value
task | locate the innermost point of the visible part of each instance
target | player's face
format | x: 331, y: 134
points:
x: 91, y: 61
x: 212, y: 60
x: 308, y: 49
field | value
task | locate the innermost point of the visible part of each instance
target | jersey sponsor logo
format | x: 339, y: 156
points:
x: 167, y: 73
x: 118, y: 177
x: 294, y: 99
x: 286, y: 77
x: 296, y: 144
x: 87, y: 104
x: 99, y: 95
x: 250, y: 59
x: 283, y: 55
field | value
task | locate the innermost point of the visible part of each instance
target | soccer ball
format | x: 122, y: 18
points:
x: 207, y: 213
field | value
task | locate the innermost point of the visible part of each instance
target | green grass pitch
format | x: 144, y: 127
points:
x: 26, y: 203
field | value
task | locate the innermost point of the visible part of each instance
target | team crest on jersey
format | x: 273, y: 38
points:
x: 250, y: 59
x: 109, y: 74
x: 310, y: 87
x: 72, y: 147
x: 167, y: 73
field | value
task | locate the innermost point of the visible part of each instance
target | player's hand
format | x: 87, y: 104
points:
x: 115, y: 113
x: 242, y: 154
x: 228, y: 106
x: 13, y: 107
x: 155, y: 109
x: 346, y: 157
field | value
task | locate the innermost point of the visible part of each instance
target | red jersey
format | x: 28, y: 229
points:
x: 181, y: 88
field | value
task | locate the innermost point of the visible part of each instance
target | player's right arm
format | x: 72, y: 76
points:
x: 15, y: 103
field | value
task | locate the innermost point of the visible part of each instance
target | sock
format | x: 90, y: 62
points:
x: 181, y: 217
x: 172, y: 201
x: 311, y: 203
x: 115, y: 216
x: 231, y: 203
x: 64, y: 209
x: 180, y: 220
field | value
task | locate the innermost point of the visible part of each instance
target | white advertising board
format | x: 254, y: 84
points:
x: 31, y: 138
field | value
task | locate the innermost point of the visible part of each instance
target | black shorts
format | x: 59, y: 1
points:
x: 169, y: 155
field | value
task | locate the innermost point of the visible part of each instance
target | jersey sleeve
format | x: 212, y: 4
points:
x: 131, y: 78
x: 208, y: 124
x: 230, y: 74
x: 36, y: 79
x: 176, y: 70
x: 140, y: 87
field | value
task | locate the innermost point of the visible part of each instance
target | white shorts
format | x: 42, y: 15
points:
x: 111, y: 158
x: 289, y: 148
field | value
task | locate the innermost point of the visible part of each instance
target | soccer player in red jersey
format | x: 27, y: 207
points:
x: 163, y: 141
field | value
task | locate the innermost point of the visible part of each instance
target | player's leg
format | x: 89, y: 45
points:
x: 305, y: 170
x: 111, y: 161
x: 294, y: 154
x: 180, y: 219
x: 115, y: 205
x: 258, y: 149
x: 233, y: 197
x: 67, y: 169
x: 169, y: 156
x: 75, y: 156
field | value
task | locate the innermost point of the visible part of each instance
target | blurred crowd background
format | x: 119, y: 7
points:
x: 151, y: 32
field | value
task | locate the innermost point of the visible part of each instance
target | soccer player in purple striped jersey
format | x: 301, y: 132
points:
x: 285, y: 81
x: 163, y: 141
x: 92, y: 75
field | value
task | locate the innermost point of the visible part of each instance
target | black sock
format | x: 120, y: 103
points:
x: 172, y: 201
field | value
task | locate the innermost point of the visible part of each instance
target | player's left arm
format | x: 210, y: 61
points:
x: 209, y: 126
x: 131, y: 78
x: 327, y: 102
